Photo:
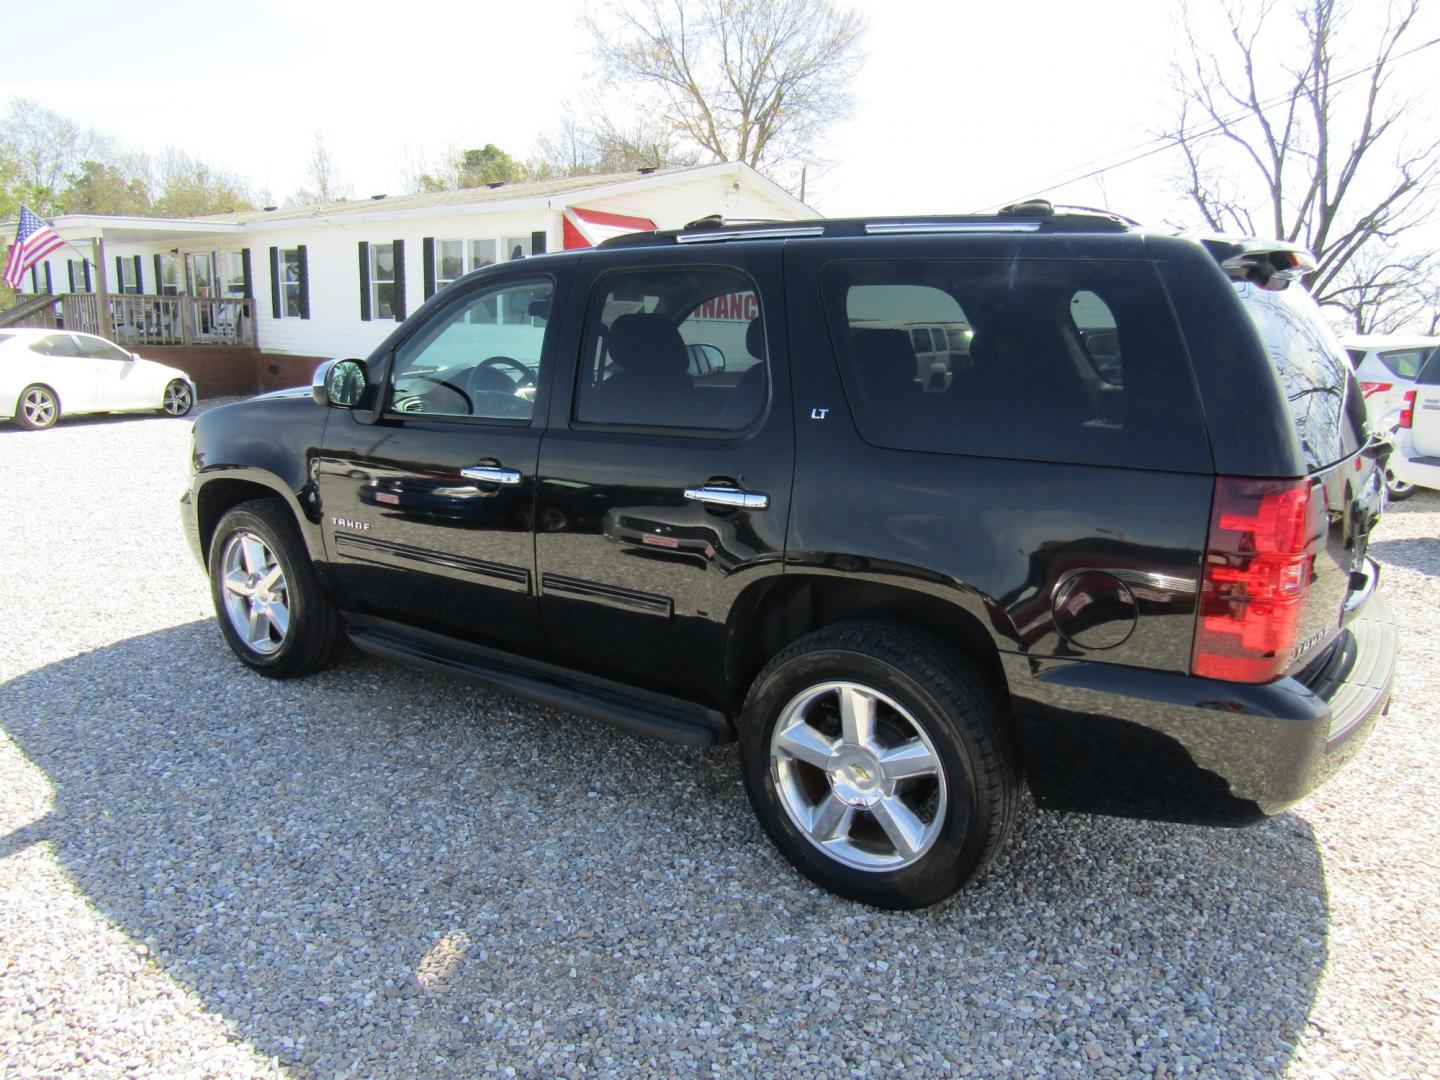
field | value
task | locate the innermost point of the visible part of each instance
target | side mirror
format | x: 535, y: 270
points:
x: 340, y: 383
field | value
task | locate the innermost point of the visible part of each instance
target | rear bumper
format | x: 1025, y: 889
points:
x: 1102, y: 738
x: 1424, y: 471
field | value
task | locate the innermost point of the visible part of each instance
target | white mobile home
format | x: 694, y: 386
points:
x: 253, y: 297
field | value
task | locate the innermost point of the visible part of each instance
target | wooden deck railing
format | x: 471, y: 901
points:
x: 182, y: 320
x: 32, y: 311
x: 142, y: 319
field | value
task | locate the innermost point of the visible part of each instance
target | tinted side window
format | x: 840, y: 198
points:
x: 1073, y: 361
x: 479, y: 357
x: 100, y: 349
x: 56, y: 345
x: 1405, y: 363
x: 681, y: 348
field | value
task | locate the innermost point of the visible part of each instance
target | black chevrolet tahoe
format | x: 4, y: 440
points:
x: 1103, y: 534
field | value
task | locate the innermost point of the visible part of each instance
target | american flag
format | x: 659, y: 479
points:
x: 33, y: 241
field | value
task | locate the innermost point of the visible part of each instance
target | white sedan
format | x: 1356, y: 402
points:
x: 47, y: 373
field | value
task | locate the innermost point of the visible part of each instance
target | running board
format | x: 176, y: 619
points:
x: 644, y: 712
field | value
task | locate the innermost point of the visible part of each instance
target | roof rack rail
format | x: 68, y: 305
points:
x: 1033, y: 216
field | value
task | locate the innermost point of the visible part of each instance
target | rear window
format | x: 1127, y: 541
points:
x: 1064, y: 360
x: 1319, y: 384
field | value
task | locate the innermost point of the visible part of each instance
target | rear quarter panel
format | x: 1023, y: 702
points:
x: 990, y: 535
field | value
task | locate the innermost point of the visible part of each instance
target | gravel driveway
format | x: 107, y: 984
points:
x: 377, y: 872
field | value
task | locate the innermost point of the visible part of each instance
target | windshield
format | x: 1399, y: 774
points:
x: 1325, y: 401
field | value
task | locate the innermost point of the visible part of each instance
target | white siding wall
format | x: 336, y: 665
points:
x: 332, y: 248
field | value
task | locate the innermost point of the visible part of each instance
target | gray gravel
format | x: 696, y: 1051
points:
x: 377, y: 872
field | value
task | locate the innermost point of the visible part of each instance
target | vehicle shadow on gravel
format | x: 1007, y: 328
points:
x: 381, y: 872
x: 1420, y: 553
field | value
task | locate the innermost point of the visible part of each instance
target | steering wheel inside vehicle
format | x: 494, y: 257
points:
x: 524, y: 376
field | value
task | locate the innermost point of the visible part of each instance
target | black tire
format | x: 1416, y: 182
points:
x: 178, y: 398
x: 1397, y: 490
x: 37, y: 408
x: 960, y: 713
x: 313, y: 633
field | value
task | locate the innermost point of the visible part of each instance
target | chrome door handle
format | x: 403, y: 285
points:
x: 491, y: 474
x: 730, y: 497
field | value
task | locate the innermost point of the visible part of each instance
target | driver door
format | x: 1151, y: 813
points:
x: 428, y: 512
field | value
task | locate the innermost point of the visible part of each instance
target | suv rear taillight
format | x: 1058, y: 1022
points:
x: 1369, y: 388
x: 1407, y: 410
x: 1257, y: 576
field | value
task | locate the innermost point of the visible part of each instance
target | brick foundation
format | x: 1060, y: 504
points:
x: 229, y: 371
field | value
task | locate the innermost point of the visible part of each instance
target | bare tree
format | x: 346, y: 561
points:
x: 758, y: 81
x: 324, y: 184
x: 577, y: 149
x: 188, y: 187
x: 1278, y: 136
x: 43, y: 150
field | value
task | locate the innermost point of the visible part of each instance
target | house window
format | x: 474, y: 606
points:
x: 200, y: 274
x: 78, y: 270
x: 482, y: 253
x: 382, y: 280
x: 290, y: 284
x: 128, y: 280
x: 168, y: 274
x: 456, y: 258
x: 517, y: 247
x: 230, y: 267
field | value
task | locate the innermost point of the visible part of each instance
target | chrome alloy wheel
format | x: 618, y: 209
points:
x: 178, y: 399
x: 257, y: 601
x: 39, y: 406
x: 858, y: 776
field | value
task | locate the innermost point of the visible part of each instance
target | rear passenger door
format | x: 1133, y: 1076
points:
x: 664, y: 488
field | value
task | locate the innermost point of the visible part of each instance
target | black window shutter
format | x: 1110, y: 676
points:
x: 159, y: 277
x: 399, y: 280
x: 49, y: 288
x: 537, y: 242
x: 304, y: 281
x: 427, y: 259
x: 34, y: 280
x: 245, y: 277
x: 364, y: 281
x: 87, y: 276
x: 275, y: 282
x: 70, y: 272
x: 139, y: 277
x: 119, y: 274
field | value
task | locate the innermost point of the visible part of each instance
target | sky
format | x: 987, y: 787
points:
x: 960, y: 105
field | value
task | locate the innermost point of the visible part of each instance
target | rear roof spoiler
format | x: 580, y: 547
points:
x: 1270, y: 264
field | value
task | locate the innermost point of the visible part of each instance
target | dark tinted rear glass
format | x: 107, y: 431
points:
x: 1066, y: 360
x: 1325, y: 401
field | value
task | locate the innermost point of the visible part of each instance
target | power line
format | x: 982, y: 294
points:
x: 1161, y: 143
